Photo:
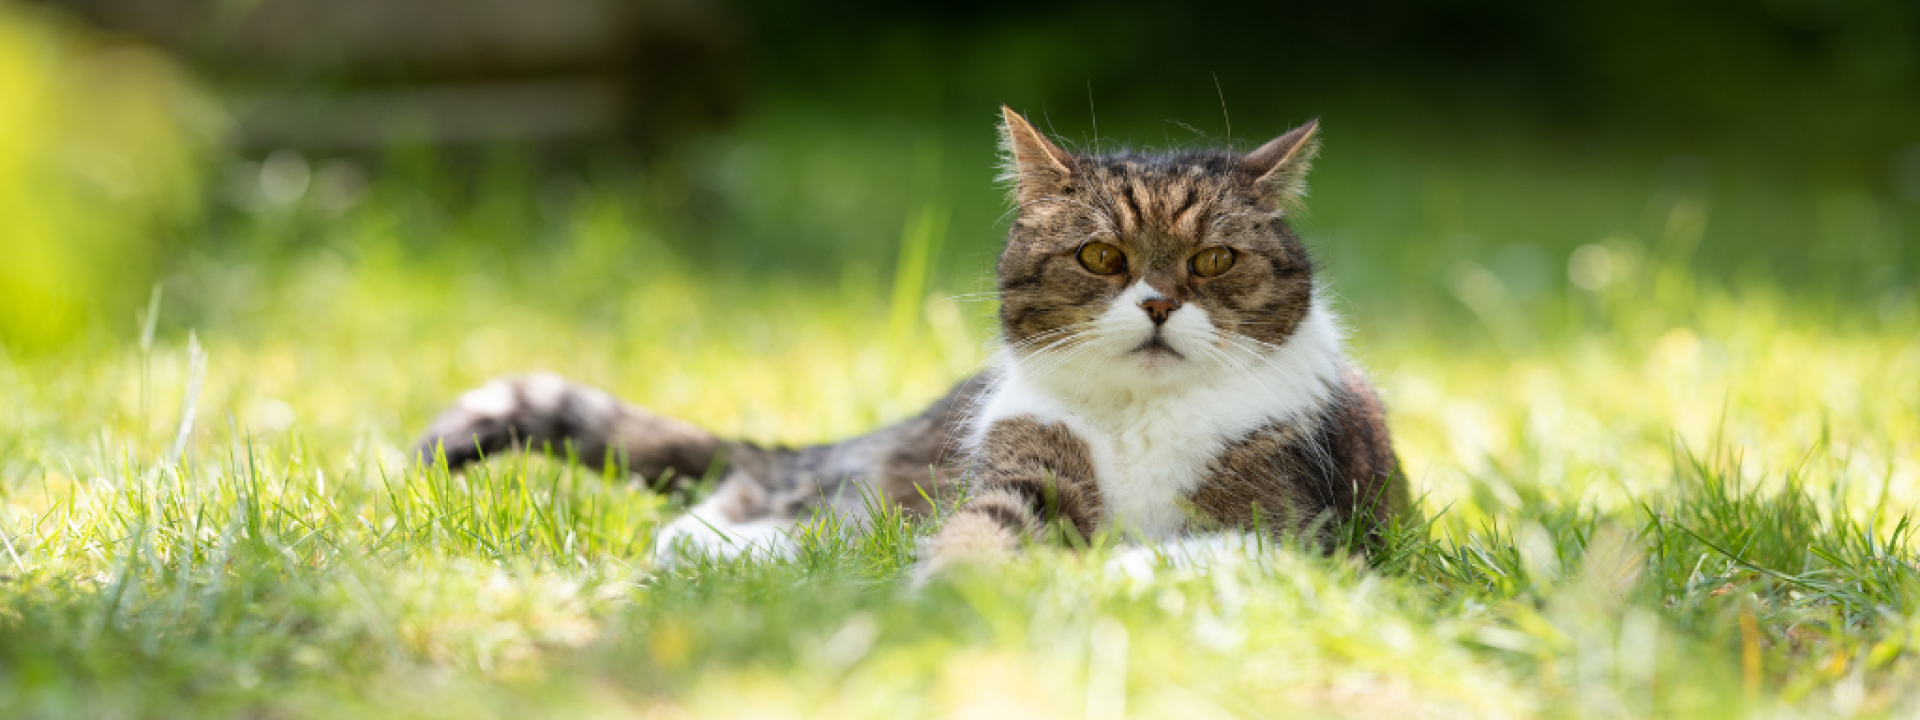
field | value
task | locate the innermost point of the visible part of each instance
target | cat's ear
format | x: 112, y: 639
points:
x: 1034, y: 165
x: 1280, y: 166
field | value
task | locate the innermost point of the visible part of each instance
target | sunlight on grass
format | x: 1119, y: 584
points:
x: 1599, y: 545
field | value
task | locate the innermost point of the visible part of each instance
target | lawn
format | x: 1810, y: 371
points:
x: 1665, y: 441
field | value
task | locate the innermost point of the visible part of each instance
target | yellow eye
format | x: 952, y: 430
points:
x: 1102, y: 259
x: 1212, y: 261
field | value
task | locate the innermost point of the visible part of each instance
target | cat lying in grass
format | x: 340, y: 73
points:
x: 1169, y: 369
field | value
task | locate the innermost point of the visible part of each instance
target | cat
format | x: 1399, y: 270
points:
x: 1171, y: 368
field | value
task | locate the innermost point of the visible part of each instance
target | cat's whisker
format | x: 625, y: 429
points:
x: 1049, y: 335
x: 1040, y: 355
x: 971, y: 297
x: 1064, y: 356
x: 1267, y: 358
x: 1040, y: 364
x: 1315, y: 447
x: 1321, y: 456
x: 970, y: 407
x: 1013, y: 349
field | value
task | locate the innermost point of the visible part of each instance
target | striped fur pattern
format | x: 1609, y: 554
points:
x: 1194, y: 400
x: 1155, y: 401
x: 762, y: 491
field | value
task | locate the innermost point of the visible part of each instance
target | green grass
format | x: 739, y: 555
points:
x: 1679, y: 487
x: 1662, y: 498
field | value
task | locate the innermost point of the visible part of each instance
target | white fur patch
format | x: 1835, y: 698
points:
x: 1154, y: 422
x: 703, y: 532
x: 544, y: 391
x: 490, y: 400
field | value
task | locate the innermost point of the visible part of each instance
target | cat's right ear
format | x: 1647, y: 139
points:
x: 1033, y: 164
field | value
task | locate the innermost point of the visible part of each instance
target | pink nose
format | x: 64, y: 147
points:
x: 1159, y: 308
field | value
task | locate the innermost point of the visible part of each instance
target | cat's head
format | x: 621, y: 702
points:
x: 1153, y: 269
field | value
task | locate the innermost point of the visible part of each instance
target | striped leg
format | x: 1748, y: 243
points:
x: 1025, y: 475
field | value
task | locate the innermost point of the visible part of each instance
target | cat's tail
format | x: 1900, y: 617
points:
x: 546, y: 412
x: 905, y: 464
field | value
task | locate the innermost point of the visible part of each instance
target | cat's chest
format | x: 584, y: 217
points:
x: 1147, y: 457
x: 1147, y: 465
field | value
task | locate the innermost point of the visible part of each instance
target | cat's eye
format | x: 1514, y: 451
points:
x: 1102, y: 259
x: 1211, y: 261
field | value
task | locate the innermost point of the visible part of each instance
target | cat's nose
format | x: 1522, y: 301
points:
x: 1159, y: 308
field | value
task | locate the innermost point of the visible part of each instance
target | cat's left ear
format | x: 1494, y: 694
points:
x: 1280, y: 166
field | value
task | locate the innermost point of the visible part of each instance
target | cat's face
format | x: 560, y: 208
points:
x: 1152, y: 270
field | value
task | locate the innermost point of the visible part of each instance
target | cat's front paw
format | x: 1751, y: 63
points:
x: 966, y: 541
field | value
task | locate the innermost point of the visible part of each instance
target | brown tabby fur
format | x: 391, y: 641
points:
x: 1160, y: 208
x: 1259, y: 479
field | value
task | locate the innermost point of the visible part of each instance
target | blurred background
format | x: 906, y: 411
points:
x: 434, y: 182
x: 1472, y: 145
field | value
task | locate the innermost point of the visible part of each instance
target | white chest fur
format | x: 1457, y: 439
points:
x: 1151, y: 447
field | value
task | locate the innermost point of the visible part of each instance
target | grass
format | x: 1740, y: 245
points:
x: 1681, y: 508
x: 1662, y: 477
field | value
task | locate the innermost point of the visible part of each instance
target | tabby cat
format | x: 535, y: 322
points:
x: 1170, y: 369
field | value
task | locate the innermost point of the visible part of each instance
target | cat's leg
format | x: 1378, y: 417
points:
x: 740, y: 518
x: 769, y: 493
x: 1025, y: 475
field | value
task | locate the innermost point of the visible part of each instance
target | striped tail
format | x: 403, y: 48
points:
x: 548, y: 413
x: 903, y: 464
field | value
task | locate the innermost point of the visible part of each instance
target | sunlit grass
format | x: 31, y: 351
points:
x: 1683, y: 508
